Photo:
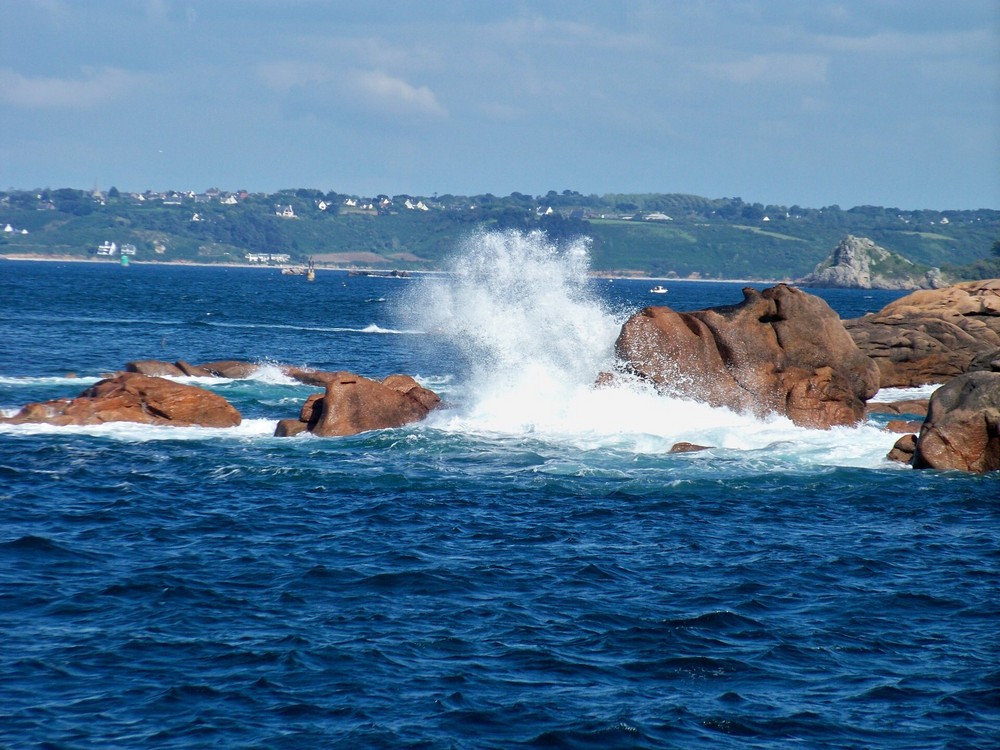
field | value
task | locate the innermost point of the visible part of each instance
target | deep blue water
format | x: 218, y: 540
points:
x: 529, y: 567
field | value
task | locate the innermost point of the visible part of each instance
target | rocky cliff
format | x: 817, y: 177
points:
x: 858, y: 263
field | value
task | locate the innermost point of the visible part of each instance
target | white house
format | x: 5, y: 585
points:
x: 286, y: 213
x: 107, y: 248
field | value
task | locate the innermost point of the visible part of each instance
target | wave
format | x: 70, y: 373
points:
x: 370, y: 328
x: 133, y: 432
x: 54, y: 381
x: 521, y: 310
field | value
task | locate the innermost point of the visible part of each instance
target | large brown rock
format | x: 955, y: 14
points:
x: 962, y: 428
x: 133, y: 397
x: 779, y: 351
x: 931, y: 336
x: 352, y: 404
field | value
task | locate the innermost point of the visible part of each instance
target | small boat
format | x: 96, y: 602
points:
x: 658, y: 290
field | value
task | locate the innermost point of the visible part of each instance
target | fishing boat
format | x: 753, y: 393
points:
x: 658, y: 290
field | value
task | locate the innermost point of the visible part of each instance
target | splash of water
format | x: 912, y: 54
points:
x: 518, y: 307
x: 535, y: 336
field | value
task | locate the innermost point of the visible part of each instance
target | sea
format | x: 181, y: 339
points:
x: 529, y: 567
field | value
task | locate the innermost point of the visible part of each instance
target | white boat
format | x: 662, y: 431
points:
x: 658, y: 290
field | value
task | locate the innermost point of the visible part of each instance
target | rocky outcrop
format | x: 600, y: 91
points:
x: 779, y: 351
x: 133, y: 397
x: 858, y: 263
x: 352, y: 404
x: 931, y: 336
x: 962, y: 428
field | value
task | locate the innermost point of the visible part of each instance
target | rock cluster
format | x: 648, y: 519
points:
x: 132, y: 397
x: 858, y: 263
x: 143, y: 394
x: 780, y: 351
x: 930, y: 336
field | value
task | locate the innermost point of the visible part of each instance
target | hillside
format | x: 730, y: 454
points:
x: 643, y: 234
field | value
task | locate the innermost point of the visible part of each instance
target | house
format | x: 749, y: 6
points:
x: 8, y: 228
x: 229, y: 200
x: 350, y: 202
x: 322, y: 205
x: 657, y: 216
x: 107, y: 248
x: 128, y: 249
x: 197, y: 217
x: 286, y: 213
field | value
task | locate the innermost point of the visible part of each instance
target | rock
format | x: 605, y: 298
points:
x: 193, y: 371
x: 685, y: 447
x: 310, y: 377
x: 154, y: 368
x: 858, y: 263
x: 133, y: 397
x: 902, y: 425
x: 903, y: 450
x: 779, y: 351
x: 931, y: 336
x: 962, y: 428
x: 352, y: 404
x: 916, y: 406
x: 232, y: 369
x: 289, y: 427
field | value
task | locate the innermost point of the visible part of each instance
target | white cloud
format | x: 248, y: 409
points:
x: 98, y: 86
x: 372, y: 90
x: 382, y: 91
x: 774, y: 68
x: 929, y: 44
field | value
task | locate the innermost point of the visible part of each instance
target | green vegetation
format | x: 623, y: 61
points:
x: 642, y: 233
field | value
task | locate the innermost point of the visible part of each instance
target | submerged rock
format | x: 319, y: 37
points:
x: 133, y: 397
x: 352, y: 404
x: 931, y: 336
x: 780, y: 351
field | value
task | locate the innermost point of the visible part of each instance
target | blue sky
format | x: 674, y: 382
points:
x: 818, y: 102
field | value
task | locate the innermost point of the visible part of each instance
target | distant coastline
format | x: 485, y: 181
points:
x: 229, y: 264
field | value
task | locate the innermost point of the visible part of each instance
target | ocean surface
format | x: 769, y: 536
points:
x: 527, y: 568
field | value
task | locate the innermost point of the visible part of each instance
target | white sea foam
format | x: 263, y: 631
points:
x: 272, y: 374
x: 518, y: 307
x: 29, y: 381
x: 370, y: 328
x: 888, y: 395
x: 132, y: 432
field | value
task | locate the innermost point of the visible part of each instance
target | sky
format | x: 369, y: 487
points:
x: 814, y: 103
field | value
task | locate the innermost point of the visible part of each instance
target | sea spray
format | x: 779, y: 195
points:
x: 519, y: 309
x: 534, y: 337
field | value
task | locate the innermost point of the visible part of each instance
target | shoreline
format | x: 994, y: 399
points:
x: 229, y: 264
